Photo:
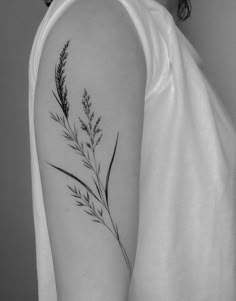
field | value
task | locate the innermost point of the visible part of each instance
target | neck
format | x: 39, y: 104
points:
x: 165, y: 3
x: 169, y: 4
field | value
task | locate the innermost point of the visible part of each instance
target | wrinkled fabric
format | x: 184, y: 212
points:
x: 187, y: 225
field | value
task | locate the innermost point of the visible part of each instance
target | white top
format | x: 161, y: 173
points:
x: 187, y: 233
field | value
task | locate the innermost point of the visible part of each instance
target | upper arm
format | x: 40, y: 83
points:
x: 89, y: 106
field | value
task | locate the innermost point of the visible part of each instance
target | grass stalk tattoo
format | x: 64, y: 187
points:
x: 95, y: 201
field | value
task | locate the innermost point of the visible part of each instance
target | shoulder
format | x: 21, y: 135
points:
x: 104, y: 56
x: 98, y: 30
x: 104, y: 49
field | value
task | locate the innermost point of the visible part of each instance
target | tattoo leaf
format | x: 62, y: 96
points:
x: 96, y: 187
x: 88, y: 212
x: 109, y: 169
x: 79, y: 204
x: 96, y: 221
x: 91, y: 126
x: 77, y: 179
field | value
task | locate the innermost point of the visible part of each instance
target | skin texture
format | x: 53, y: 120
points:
x: 92, y: 71
x: 169, y: 4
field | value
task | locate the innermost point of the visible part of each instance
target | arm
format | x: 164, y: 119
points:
x: 88, y: 120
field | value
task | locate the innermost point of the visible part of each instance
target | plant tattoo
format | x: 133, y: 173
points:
x: 94, y: 202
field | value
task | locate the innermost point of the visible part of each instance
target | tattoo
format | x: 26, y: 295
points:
x: 93, y: 201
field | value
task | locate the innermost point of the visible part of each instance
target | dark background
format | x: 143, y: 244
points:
x: 212, y: 29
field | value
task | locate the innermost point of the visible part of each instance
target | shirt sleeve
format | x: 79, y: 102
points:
x: 187, y: 227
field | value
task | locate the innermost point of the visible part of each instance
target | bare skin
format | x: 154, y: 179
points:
x: 171, y: 6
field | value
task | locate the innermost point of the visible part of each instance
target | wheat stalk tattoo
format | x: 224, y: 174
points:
x: 95, y: 201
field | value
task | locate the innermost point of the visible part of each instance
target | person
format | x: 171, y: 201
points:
x: 132, y: 158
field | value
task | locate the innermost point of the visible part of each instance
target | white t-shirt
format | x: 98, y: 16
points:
x: 187, y: 225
